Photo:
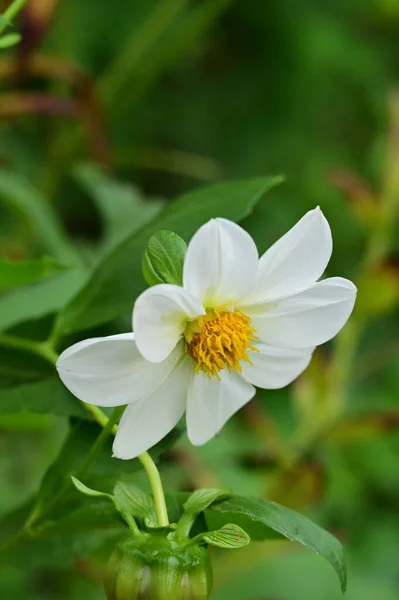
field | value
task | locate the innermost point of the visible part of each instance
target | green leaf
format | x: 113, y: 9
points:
x: 85, y: 514
x: 17, y: 367
x: 117, y: 281
x: 18, y: 194
x: 150, y: 275
x: 131, y: 500
x: 164, y: 258
x: 121, y: 206
x: 229, y: 537
x: 13, y: 273
x: 77, y: 525
x: 260, y: 518
x: 80, y: 440
x: 83, y: 489
x: 43, y: 298
x: 10, y: 39
x: 46, y: 396
x: 91, y: 524
x: 4, y: 22
x: 203, y: 498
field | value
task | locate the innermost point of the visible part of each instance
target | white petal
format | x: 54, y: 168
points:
x: 273, y: 367
x: 295, y: 261
x: 160, y: 316
x: 220, y: 263
x: 110, y: 371
x: 145, y: 423
x: 211, y: 403
x: 306, y: 319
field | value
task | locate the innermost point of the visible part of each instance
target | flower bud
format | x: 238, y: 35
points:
x: 154, y: 568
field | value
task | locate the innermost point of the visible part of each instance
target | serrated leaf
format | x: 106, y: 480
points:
x: 117, y: 281
x: 164, y: 258
x: 203, y: 498
x: 132, y: 500
x: 10, y: 39
x: 83, y: 489
x: 229, y: 537
x: 261, y: 518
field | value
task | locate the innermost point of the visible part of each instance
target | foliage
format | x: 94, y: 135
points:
x: 119, y: 122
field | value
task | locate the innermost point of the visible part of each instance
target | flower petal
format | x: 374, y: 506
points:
x: 273, y: 367
x: 306, y: 319
x: 110, y: 371
x: 295, y: 261
x: 220, y: 263
x: 145, y: 423
x: 211, y: 403
x: 160, y: 316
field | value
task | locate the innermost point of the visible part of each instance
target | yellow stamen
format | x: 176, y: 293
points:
x: 220, y: 340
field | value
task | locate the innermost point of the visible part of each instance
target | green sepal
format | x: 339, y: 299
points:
x: 81, y: 487
x: 131, y: 500
x: 163, y: 259
x: 203, y: 498
x: 196, y: 503
x: 229, y: 537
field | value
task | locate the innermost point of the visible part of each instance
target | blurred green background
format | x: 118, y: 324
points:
x: 108, y: 110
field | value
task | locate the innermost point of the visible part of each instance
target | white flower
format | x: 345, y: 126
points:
x: 237, y: 322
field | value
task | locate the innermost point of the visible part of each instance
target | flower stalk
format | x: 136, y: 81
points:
x: 157, y: 488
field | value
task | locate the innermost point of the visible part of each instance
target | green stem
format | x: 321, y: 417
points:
x: 98, y: 415
x: 147, y: 462
x: 14, y: 539
x: 157, y: 488
x: 142, y: 41
x: 185, y: 524
x: 145, y: 459
x: 194, y: 541
x: 42, y: 349
x: 100, y: 441
x: 11, y: 12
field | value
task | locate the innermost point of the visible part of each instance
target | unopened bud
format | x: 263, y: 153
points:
x: 154, y: 568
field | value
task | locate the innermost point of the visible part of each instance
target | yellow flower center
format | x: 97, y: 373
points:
x: 220, y: 340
